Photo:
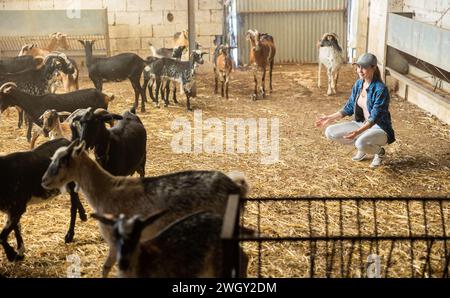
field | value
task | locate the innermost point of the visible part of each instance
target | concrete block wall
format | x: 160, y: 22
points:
x: 135, y: 23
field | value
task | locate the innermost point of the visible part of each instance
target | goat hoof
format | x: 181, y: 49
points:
x: 13, y: 256
x: 82, y: 216
x: 68, y: 238
x: 254, y: 97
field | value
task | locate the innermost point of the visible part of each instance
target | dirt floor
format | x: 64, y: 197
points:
x: 417, y: 165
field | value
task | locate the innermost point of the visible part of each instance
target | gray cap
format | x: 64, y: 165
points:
x: 367, y: 60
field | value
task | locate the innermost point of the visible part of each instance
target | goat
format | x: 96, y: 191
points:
x: 116, y: 68
x: 20, y: 181
x: 52, y: 126
x: 222, y: 68
x: 170, y: 253
x: 18, y: 64
x: 330, y: 55
x: 57, y: 40
x: 36, y: 105
x: 179, y: 71
x: 262, y: 53
x: 37, y: 81
x: 174, y: 53
x: 180, y: 193
x: 120, y: 150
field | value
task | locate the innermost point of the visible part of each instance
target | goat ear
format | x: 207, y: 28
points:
x: 78, y: 149
x: 104, y: 219
x: 82, y: 42
x: 152, y: 218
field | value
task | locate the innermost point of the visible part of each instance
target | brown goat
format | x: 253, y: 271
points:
x: 222, y: 69
x: 57, y: 40
x: 262, y: 53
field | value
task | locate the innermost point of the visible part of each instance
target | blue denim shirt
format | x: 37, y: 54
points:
x: 377, y: 104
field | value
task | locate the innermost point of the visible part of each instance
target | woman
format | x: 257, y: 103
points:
x: 369, y: 103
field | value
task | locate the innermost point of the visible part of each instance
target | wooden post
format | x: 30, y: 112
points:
x: 191, y: 25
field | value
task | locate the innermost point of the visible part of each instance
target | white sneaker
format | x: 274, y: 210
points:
x: 378, y: 159
x: 359, y: 156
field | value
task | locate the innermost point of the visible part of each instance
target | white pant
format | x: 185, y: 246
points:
x: 369, y: 142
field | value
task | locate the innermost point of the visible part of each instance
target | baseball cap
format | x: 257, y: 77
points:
x: 367, y: 60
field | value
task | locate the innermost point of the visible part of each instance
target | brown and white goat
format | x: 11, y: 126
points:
x: 57, y: 40
x: 330, y: 55
x: 222, y: 68
x: 262, y: 54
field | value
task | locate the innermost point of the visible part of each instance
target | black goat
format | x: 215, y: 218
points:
x: 121, y: 149
x: 116, y: 68
x: 16, y: 64
x: 188, y: 247
x: 20, y: 181
x: 37, y: 81
x: 177, y: 71
x: 36, y: 105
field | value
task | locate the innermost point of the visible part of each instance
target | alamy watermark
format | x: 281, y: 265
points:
x: 373, y: 269
x: 73, y: 10
x: 232, y: 135
x: 74, y: 266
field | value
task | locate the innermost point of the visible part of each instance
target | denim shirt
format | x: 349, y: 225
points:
x: 377, y: 105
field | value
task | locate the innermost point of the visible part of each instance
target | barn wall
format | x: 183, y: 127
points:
x: 429, y: 11
x: 133, y: 23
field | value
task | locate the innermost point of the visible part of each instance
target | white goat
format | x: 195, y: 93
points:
x: 330, y: 55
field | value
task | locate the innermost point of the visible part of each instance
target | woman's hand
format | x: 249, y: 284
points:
x: 351, y: 135
x: 323, y: 121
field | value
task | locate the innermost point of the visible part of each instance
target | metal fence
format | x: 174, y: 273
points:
x: 342, y: 237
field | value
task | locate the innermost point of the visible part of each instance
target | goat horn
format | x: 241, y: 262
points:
x: 101, y: 112
x: 6, y: 85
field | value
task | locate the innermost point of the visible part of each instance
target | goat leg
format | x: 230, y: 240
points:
x: 175, y: 93
x: 157, y: 91
x: 20, y: 112
x: 226, y: 85
x: 167, y: 92
x: 19, y: 241
x: 216, y: 82
x: 255, y: 92
x: 330, y: 79
x: 223, y: 83
x: 11, y: 224
x: 270, y: 73
x: 75, y: 205
x: 263, y: 83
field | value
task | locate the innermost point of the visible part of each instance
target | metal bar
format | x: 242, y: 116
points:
x: 375, y: 221
x: 311, y: 246
x: 444, y: 233
x: 358, y: 217
x: 346, y: 238
x: 291, y: 11
x: 411, y: 247
x: 259, y: 244
x: 425, y: 221
x: 427, y: 259
x: 229, y: 236
x: 327, y: 261
x: 341, y: 233
x: 388, y: 263
x: 344, y: 199
x: 350, y: 258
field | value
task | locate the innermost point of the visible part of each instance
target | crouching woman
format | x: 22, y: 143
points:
x: 371, y: 128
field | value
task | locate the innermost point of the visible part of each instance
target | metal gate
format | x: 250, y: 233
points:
x: 296, y: 26
x: 341, y: 237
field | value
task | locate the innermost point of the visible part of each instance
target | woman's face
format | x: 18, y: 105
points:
x: 365, y: 73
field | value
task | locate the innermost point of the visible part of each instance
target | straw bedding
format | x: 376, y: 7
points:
x: 309, y: 165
